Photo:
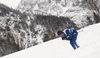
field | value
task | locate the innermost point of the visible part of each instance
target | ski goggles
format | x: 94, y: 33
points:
x: 59, y: 35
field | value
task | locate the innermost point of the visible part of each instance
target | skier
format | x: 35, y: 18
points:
x: 71, y: 35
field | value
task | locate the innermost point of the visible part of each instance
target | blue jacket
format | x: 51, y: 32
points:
x: 69, y: 33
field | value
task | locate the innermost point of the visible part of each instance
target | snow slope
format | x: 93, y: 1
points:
x: 88, y: 39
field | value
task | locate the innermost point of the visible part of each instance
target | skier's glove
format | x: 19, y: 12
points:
x: 68, y: 37
x: 64, y: 38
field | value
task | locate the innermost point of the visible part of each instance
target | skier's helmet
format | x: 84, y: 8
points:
x: 59, y: 32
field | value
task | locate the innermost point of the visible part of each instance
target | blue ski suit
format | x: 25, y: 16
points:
x: 71, y: 35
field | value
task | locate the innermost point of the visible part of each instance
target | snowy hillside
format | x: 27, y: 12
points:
x: 66, y: 8
x: 88, y: 39
x: 37, y: 21
x: 20, y: 30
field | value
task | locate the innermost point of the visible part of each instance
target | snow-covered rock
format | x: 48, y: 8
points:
x: 74, y: 9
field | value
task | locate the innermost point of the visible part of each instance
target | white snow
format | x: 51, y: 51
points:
x: 88, y: 39
x: 11, y: 3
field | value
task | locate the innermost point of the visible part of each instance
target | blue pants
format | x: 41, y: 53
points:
x: 73, y: 41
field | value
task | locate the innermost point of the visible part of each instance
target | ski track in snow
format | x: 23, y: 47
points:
x: 88, y: 39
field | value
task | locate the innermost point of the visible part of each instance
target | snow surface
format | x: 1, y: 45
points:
x: 88, y: 39
x: 11, y: 3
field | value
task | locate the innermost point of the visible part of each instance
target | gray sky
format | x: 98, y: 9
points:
x: 10, y: 3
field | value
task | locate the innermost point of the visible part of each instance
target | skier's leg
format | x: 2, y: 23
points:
x: 74, y: 39
x: 75, y: 43
x: 72, y: 44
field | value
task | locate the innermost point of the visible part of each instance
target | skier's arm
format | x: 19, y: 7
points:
x: 69, y: 35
